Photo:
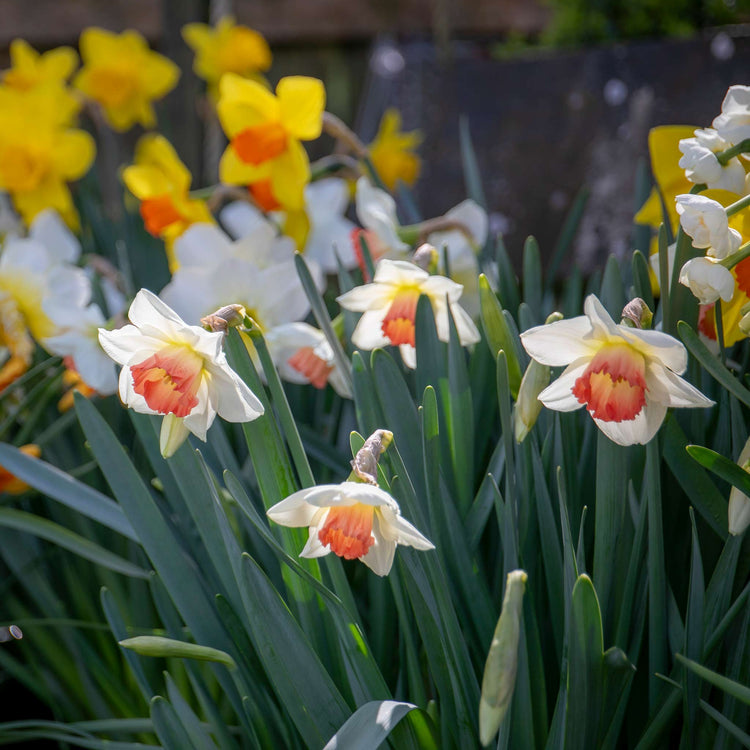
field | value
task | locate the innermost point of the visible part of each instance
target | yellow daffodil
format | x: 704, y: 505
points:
x: 227, y: 48
x: 161, y: 182
x: 392, y: 151
x: 37, y: 160
x: 264, y: 134
x: 124, y: 76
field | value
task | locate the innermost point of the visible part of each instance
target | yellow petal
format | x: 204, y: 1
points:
x: 74, y: 154
x: 96, y: 44
x: 50, y: 194
x: 197, y: 35
x: 145, y: 181
x: 302, y: 100
x: 289, y: 174
x: 243, y: 104
x: 156, y: 151
x: 59, y: 63
x: 234, y: 171
x: 159, y: 75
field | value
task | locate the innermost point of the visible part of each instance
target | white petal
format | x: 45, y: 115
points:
x: 49, y: 229
x: 201, y: 244
x: 314, y: 547
x: 638, y: 431
x: 122, y: 343
x: 396, y: 528
x: 409, y: 355
x: 149, y: 312
x: 399, y: 272
x: 235, y: 402
x: 559, y: 395
x: 325, y: 197
x: 601, y: 321
x: 659, y: 346
x: 294, y: 510
x: 203, y: 413
x: 560, y: 343
x: 379, y: 557
x: 369, y: 334
x: 365, y: 297
x: 679, y: 392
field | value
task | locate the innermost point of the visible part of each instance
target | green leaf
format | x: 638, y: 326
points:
x: 171, y: 732
x: 153, y: 645
x: 585, y: 668
x: 510, y: 296
x: 735, y: 689
x: 712, y: 365
x: 370, y: 725
x: 52, y: 532
x: 469, y: 163
x: 741, y: 736
x: 567, y: 235
x: 611, y: 293
x: 532, y: 276
x: 728, y: 470
x: 642, y: 279
x: 60, y: 486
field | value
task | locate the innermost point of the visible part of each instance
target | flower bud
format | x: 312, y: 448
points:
x: 426, y: 257
x: 739, y: 503
x: 528, y: 406
x: 365, y: 463
x: 172, y: 435
x: 638, y: 313
x: 499, y: 678
x: 225, y: 317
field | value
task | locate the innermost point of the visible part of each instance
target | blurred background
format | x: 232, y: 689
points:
x: 558, y: 95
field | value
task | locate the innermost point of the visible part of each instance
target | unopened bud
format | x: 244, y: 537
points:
x: 225, y: 317
x: 528, y: 406
x: 426, y: 257
x: 365, y: 463
x: 739, y: 502
x: 500, y: 669
x: 637, y: 314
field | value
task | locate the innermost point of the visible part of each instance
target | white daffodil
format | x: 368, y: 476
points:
x: 701, y: 165
x: 352, y: 519
x: 625, y: 377
x: 705, y: 221
x: 178, y: 370
x: 389, y: 307
x: 376, y: 211
x: 302, y: 354
x: 739, y: 502
x: 330, y: 233
x: 214, y: 272
x: 462, y: 250
x: 80, y: 341
x: 733, y: 124
x: 708, y: 280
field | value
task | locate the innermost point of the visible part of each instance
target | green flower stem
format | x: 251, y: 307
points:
x: 742, y: 147
x: 738, y: 205
x: 732, y: 260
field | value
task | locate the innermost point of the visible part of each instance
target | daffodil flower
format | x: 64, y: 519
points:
x: 265, y: 131
x: 124, y: 76
x: 625, y: 377
x: 353, y: 520
x: 389, y: 307
x: 392, y: 151
x: 703, y: 167
x: 302, y: 354
x: 161, y: 182
x: 705, y: 221
x: 227, y: 48
x: 733, y: 124
x: 708, y: 280
x: 178, y: 370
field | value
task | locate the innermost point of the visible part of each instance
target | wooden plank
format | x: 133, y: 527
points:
x: 290, y: 21
x: 47, y: 23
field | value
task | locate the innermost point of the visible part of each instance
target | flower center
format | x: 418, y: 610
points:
x: 313, y: 367
x: 113, y: 86
x: 23, y: 167
x: 263, y: 195
x: 613, y: 386
x: 260, y: 143
x: 398, y: 323
x: 348, y: 530
x: 158, y: 213
x: 169, y: 380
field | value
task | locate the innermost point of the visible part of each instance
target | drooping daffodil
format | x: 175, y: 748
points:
x: 177, y: 370
x: 625, y: 377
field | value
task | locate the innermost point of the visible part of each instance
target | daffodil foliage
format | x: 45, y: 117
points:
x: 280, y: 469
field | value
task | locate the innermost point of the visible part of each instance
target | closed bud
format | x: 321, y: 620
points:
x: 637, y: 313
x: 225, y: 317
x: 499, y: 678
x: 365, y: 463
x: 426, y: 257
x: 528, y: 406
x: 739, y: 502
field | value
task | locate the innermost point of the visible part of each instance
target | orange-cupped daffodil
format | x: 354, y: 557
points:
x: 265, y: 131
x: 227, y: 48
x: 161, y: 182
x: 392, y: 151
x: 124, y: 76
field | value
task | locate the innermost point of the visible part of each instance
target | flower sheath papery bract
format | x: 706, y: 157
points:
x: 626, y: 378
x: 124, y: 76
x: 178, y: 370
x: 389, y: 307
x: 353, y: 520
x: 265, y: 131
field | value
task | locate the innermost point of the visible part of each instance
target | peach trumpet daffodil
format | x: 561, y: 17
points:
x: 352, y: 519
x: 178, y: 370
x: 265, y: 131
x: 625, y: 377
x: 124, y: 76
x: 389, y: 307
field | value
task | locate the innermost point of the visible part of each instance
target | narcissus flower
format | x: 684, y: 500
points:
x: 124, y: 76
x: 352, y: 519
x: 161, y: 182
x: 708, y: 280
x: 625, y: 377
x: 703, y: 167
x: 265, y: 131
x: 733, y: 124
x: 228, y: 48
x: 392, y: 151
x: 705, y: 221
x: 177, y: 370
x: 389, y: 307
